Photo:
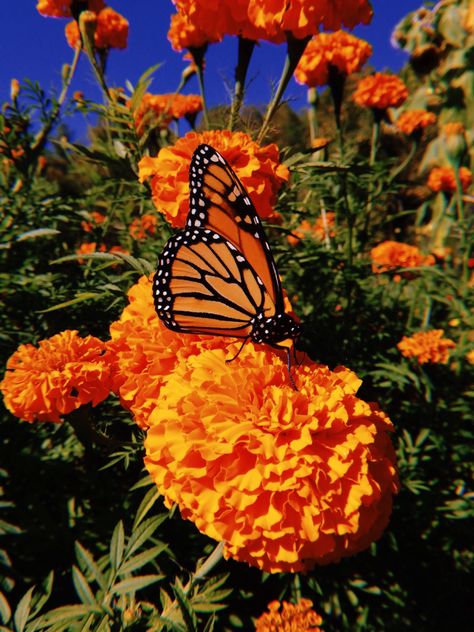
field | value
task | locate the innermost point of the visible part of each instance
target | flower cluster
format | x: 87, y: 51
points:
x: 340, y: 50
x: 323, y: 227
x: 444, y: 179
x: 143, y: 226
x: 111, y: 31
x: 96, y: 219
x: 380, y: 91
x: 427, y: 346
x: 63, y: 373
x: 414, y: 121
x: 269, y: 20
x: 161, y: 109
x: 287, y: 479
x: 288, y: 617
x: 390, y: 255
x: 62, y: 8
x: 258, y: 168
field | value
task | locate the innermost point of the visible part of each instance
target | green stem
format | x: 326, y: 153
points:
x: 312, y: 114
x: 87, y: 42
x: 295, y: 50
x: 297, y: 587
x: 374, y: 140
x: 214, y: 558
x: 459, y: 200
x: 246, y: 48
x: 405, y: 163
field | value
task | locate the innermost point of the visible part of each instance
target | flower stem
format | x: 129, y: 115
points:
x: 213, y: 559
x: 312, y: 113
x: 295, y: 50
x: 246, y: 48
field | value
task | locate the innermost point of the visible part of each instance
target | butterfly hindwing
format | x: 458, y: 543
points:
x: 205, y: 285
x: 219, y: 202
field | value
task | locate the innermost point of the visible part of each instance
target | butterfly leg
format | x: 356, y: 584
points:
x: 238, y: 352
x: 288, y: 355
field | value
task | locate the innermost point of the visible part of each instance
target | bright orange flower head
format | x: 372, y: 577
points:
x: 161, y: 109
x: 62, y: 8
x: 427, y: 346
x: 413, y: 121
x: 322, y: 227
x: 380, y: 91
x: 143, y: 226
x: 96, y: 220
x: 257, y: 167
x: 111, y: 31
x: 390, y: 255
x: 147, y: 352
x: 299, y: 617
x: 444, y: 179
x: 64, y: 372
x: 272, y: 19
x: 184, y: 34
x: 287, y: 479
x: 341, y: 50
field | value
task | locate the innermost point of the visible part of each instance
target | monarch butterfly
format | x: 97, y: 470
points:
x: 217, y: 275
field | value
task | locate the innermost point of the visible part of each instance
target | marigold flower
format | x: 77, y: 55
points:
x: 413, y: 121
x: 64, y: 372
x: 470, y: 356
x: 111, y: 31
x: 380, y: 91
x: 62, y: 8
x: 444, y: 179
x: 272, y: 19
x: 143, y: 226
x: 390, y: 255
x: 323, y: 226
x: 161, y: 109
x: 146, y: 352
x: 184, y: 34
x: 287, y: 479
x: 257, y: 167
x: 427, y: 346
x: 96, y: 220
x: 339, y: 50
x: 299, y: 617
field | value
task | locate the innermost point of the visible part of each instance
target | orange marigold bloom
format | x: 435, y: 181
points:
x: 380, y: 91
x: 97, y: 219
x: 299, y: 617
x: 111, y: 31
x: 64, y: 372
x: 444, y: 179
x: 427, y: 346
x: 62, y: 8
x: 161, y: 109
x: 323, y: 226
x: 143, y: 226
x: 287, y: 479
x: 146, y: 352
x: 470, y: 356
x: 390, y: 255
x: 272, y: 19
x: 183, y: 33
x: 452, y: 129
x: 257, y: 167
x: 413, y: 121
x: 339, y: 50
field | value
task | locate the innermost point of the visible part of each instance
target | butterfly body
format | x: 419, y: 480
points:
x: 217, y: 276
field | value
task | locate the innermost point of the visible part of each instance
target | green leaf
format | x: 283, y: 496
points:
x: 141, y: 559
x: 135, y: 583
x: 82, y: 588
x: 80, y: 298
x: 22, y: 611
x: 5, y: 610
x: 142, y: 533
x: 62, y: 614
x: 185, y: 607
x: 85, y: 557
x: 38, y: 232
x: 146, y: 504
x: 39, y: 599
x: 117, y: 546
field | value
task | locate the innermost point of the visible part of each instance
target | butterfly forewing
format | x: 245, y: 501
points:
x: 204, y: 285
x: 219, y: 202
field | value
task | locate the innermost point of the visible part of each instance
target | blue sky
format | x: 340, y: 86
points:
x: 34, y: 47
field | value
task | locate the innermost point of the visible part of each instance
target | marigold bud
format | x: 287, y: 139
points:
x: 14, y: 89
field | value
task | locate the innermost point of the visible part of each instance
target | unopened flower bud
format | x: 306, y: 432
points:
x: 14, y: 89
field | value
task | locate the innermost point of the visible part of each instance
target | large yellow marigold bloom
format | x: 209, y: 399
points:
x: 380, y: 91
x: 343, y: 51
x: 146, y: 352
x: 427, y: 346
x: 444, y: 179
x: 62, y: 8
x: 161, y: 109
x: 299, y: 617
x: 257, y: 167
x: 413, y: 121
x: 287, y: 479
x: 111, y: 31
x: 390, y: 255
x: 64, y: 372
x: 272, y: 19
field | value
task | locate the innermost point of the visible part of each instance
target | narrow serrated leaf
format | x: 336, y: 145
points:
x: 5, y: 610
x: 38, y: 232
x: 185, y: 607
x: 134, y: 583
x: 23, y: 610
x: 141, y: 559
x: 146, y: 504
x: 84, y: 296
x: 82, y: 588
x: 117, y: 546
x: 62, y: 614
x: 142, y: 533
x: 84, y: 556
x: 40, y: 599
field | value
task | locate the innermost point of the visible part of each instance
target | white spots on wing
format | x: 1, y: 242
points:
x: 247, y: 201
x: 202, y: 215
x: 201, y: 202
x: 240, y: 259
x: 215, y: 158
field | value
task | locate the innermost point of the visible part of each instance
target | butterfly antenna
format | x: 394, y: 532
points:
x: 292, y: 381
x: 238, y: 352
